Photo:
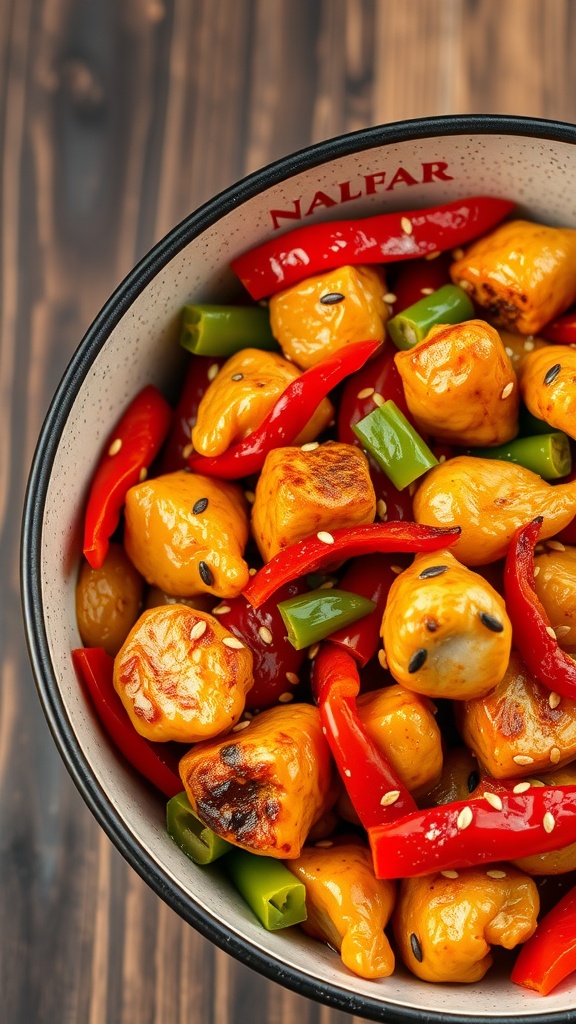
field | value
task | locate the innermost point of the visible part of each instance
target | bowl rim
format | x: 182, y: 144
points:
x: 31, y: 537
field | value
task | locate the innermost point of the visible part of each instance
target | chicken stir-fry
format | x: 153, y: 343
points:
x: 352, y: 593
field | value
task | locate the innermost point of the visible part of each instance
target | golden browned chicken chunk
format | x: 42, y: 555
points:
x: 555, y: 583
x: 108, y: 600
x: 548, y: 386
x: 324, y: 313
x: 520, y: 727
x: 445, y: 923
x: 403, y: 727
x: 489, y: 499
x: 460, y: 386
x: 302, y: 491
x: 242, y: 395
x: 186, y: 534
x: 522, y: 273
x: 556, y: 862
x: 445, y: 629
x: 518, y: 347
x: 347, y: 906
x: 182, y: 676
x: 458, y: 780
x: 264, y: 787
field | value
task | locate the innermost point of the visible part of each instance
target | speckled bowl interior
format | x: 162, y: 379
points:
x: 132, y: 342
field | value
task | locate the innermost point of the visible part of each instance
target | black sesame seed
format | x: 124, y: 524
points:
x: 473, y: 780
x: 417, y: 659
x: 416, y: 948
x: 552, y: 373
x: 200, y: 506
x: 432, y: 570
x: 331, y: 298
x: 237, y: 376
x: 205, y: 574
x: 491, y: 622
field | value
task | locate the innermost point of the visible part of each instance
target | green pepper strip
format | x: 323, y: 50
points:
x: 448, y: 305
x: 393, y: 442
x: 224, y: 330
x: 546, y: 454
x: 277, y: 898
x: 312, y: 617
x: 197, y: 841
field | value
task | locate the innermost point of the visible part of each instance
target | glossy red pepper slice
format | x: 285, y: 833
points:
x: 131, y: 448
x: 377, y: 793
x: 314, y: 553
x: 385, y: 238
x: 467, y: 833
x: 562, y: 330
x: 289, y: 415
x: 549, y: 956
x: 412, y: 278
x: 532, y: 630
x: 370, y: 576
x: 199, y: 376
x: 156, y: 762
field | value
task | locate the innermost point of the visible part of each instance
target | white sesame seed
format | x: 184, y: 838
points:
x: 521, y: 787
x: 365, y: 393
x: 507, y: 390
x: 115, y: 446
x: 555, y: 545
x: 213, y: 371
x: 378, y: 399
x: 523, y: 759
x: 222, y: 609
x: 292, y: 678
x: 252, y: 572
x: 324, y: 844
x: 250, y: 497
x: 548, y: 822
x: 382, y: 658
x: 142, y: 475
x: 187, y: 451
x: 233, y: 642
x: 239, y: 726
x: 509, y: 352
x: 325, y: 537
x: 286, y: 697
x: 457, y: 254
x: 265, y: 635
x: 554, y: 699
x: 441, y: 459
x: 464, y: 818
x: 313, y: 651
x: 536, y: 570
x: 390, y: 297
x: 390, y: 797
x: 427, y: 291
x: 528, y: 345
x: 465, y: 285
x: 450, y: 873
x: 406, y: 225
x: 494, y: 800
x: 397, y: 569
x: 555, y: 755
x: 551, y: 632
x: 432, y: 255
x: 381, y: 508
x: 347, y: 773
x: 561, y: 631
x: 496, y: 873
x: 198, y: 629
x: 311, y: 446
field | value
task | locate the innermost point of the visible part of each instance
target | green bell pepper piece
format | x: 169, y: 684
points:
x: 448, y: 305
x: 197, y: 841
x: 397, y: 447
x: 312, y: 617
x: 223, y: 330
x: 548, y: 455
x: 274, y: 894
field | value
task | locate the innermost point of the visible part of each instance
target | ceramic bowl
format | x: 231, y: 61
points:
x: 132, y: 342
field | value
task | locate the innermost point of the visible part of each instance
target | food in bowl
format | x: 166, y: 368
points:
x: 447, y: 473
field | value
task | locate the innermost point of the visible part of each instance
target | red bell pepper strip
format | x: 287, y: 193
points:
x: 288, y: 417
x: 532, y: 630
x: 549, y: 956
x: 417, y: 275
x: 157, y: 762
x: 385, y: 238
x: 313, y: 553
x: 370, y: 576
x: 130, y: 449
x: 276, y: 662
x: 199, y: 376
x: 562, y: 330
x: 467, y: 833
x: 377, y: 793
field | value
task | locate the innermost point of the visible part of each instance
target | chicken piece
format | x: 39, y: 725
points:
x: 445, y: 923
x: 445, y: 629
x: 182, y: 676
x: 108, y: 600
x: 555, y: 585
x: 324, y: 313
x: 548, y: 386
x: 186, y: 534
x: 556, y: 862
x: 460, y: 386
x: 347, y: 906
x: 489, y: 500
x: 522, y: 273
x: 242, y: 395
x: 519, y: 728
x: 302, y: 492
x: 458, y: 780
x: 264, y: 788
x: 403, y: 727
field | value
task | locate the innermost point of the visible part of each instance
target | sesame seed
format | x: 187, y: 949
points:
x: 292, y: 678
x: 198, y: 629
x: 509, y: 352
x: 313, y: 651
x: 213, y: 371
x: 548, y: 822
x: 331, y: 298
x: 325, y: 537
x: 233, y: 642
x: 378, y: 399
x: 200, y: 506
x: 406, y: 225
x: 265, y: 635
x: 327, y: 585
x: 347, y: 773
x: 239, y: 726
x: 561, y: 631
x: 441, y: 459
x: 115, y: 446
x: 237, y: 376
x: 496, y: 873
x: 494, y: 800
x: 187, y: 451
x: 324, y: 844
x: 507, y: 390
x: 432, y: 255
x: 450, y: 873
x: 555, y: 755
x: 536, y: 782
x: 552, y: 373
x: 522, y: 787
x: 555, y: 545
x: 252, y: 571
x: 465, y: 285
x: 310, y: 446
x: 491, y: 622
x: 390, y: 797
x: 417, y: 660
x: 464, y: 818
x: 536, y: 571
x: 250, y: 497
x: 416, y: 948
x: 365, y: 393
x: 142, y: 475
x: 554, y: 699
x: 427, y: 291
x: 382, y: 659
x: 205, y: 574
x: 381, y: 508
x: 431, y: 571
x: 390, y: 297
x: 528, y: 345
x: 523, y: 759
x: 397, y: 569
x: 551, y: 632
x: 457, y: 254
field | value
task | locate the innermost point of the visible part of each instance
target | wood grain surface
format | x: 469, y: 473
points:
x: 117, y: 118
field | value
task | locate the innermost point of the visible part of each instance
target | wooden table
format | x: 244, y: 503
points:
x: 117, y: 118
